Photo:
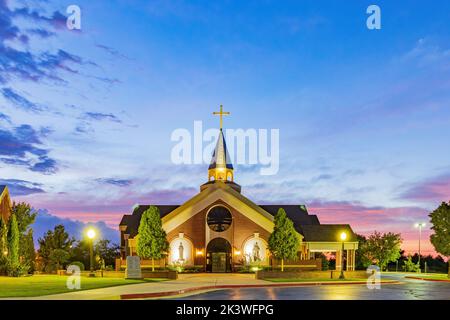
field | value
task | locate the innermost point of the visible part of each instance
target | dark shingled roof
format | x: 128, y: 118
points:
x: 132, y: 221
x: 297, y: 213
x: 327, y: 233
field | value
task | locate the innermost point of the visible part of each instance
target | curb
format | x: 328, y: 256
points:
x: 425, y: 279
x: 193, y: 289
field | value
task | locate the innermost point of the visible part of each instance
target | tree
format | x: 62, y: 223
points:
x: 410, y: 266
x: 24, y: 215
x: 25, y: 218
x: 13, y: 264
x: 440, y: 219
x: 152, y: 239
x: 3, y: 245
x: 52, y: 240
x: 381, y: 249
x: 27, y: 250
x: 103, y: 249
x: 361, y: 262
x: 107, y: 251
x: 284, y: 241
x: 58, y: 257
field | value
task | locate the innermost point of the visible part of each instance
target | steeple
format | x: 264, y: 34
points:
x: 221, y: 167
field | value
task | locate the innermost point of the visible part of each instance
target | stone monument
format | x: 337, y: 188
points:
x: 133, y: 270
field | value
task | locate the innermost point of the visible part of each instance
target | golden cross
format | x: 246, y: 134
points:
x: 221, y: 114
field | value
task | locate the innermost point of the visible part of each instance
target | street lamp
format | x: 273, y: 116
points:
x: 343, y: 238
x: 91, y: 235
x: 420, y: 226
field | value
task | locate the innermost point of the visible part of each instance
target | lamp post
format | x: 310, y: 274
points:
x: 91, y: 235
x: 420, y: 226
x: 343, y: 238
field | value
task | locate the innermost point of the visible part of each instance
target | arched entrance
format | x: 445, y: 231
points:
x: 218, y: 256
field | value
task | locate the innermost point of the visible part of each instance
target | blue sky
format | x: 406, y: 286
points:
x: 86, y: 116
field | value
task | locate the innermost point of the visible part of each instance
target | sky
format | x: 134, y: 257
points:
x: 86, y: 116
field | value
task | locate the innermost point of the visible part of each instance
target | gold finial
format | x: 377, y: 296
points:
x: 221, y: 114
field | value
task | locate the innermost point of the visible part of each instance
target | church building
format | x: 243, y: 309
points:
x: 221, y: 230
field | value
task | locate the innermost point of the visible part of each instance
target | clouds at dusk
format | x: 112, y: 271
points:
x: 21, y: 188
x: 22, y: 146
x: 434, y: 190
x: 46, y: 221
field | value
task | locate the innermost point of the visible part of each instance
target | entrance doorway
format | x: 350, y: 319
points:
x: 218, y: 256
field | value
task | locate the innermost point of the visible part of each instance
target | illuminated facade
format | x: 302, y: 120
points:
x: 220, y: 230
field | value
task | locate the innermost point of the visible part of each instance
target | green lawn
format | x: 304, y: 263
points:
x: 431, y: 276
x: 39, y: 285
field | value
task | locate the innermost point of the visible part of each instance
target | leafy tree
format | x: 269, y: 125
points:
x: 24, y: 214
x: 25, y: 218
x: 3, y: 245
x: 107, y: 251
x: 27, y: 250
x: 410, y: 266
x: 284, y: 241
x: 52, y: 240
x: 380, y: 249
x: 361, y: 262
x: 103, y: 249
x: 440, y: 219
x: 152, y: 240
x: 58, y: 257
x: 13, y: 264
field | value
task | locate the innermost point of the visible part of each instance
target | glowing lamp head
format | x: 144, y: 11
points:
x: 420, y: 225
x: 343, y: 236
x: 91, y: 233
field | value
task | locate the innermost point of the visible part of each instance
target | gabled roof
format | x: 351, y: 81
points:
x: 218, y: 191
x: 297, y: 213
x: 327, y: 233
x: 220, y: 157
x: 132, y: 221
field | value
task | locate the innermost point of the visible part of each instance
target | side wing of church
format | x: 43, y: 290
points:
x: 220, y: 230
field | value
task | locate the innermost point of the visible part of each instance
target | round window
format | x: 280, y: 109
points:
x: 219, y: 219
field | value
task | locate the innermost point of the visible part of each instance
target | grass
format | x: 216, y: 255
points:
x: 40, y: 285
x: 431, y: 276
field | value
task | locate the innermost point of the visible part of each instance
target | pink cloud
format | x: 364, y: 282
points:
x: 83, y: 208
x: 436, y: 190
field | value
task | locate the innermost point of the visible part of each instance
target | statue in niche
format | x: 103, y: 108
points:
x: 181, y: 252
x: 255, y: 252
